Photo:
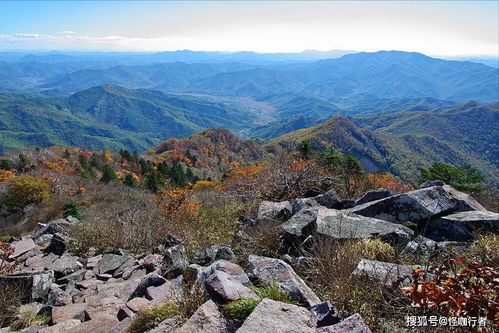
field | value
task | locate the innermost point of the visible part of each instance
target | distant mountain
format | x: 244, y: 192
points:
x: 279, y: 127
x: 404, y: 142
x: 110, y: 116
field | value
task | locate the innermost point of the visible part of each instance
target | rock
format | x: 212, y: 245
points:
x: 345, y: 204
x: 43, y: 240
x: 277, y: 317
x: 85, y: 284
x: 35, y: 286
x: 93, y: 261
x: 152, y: 262
x: 225, y: 253
x: 102, y: 324
x: 465, y: 202
x: 302, y: 224
x: 247, y: 222
x: 57, y: 244
x: 122, y: 326
x: 417, y: 206
x: 170, y: 290
x: 268, y: 211
x: 73, y: 278
x: 107, y: 305
x: 206, y: 319
x: 40, y: 262
x: 463, y: 226
x: 431, y: 183
x: 169, y: 325
x: 150, y: 280
x: 224, y: 287
x: 353, y: 324
x: 21, y: 247
x: 313, y: 192
x: 62, y: 327
x: 124, y: 313
x: 109, y: 263
x: 269, y: 270
x: 57, y: 226
x: 373, y: 195
x: 58, y: 297
x: 325, y: 314
x: 384, y: 271
x: 303, y: 203
x: 66, y: 265
x: 420, y: 246
x: 328, y: 199
x: 131, y: 262
x: 205, y: 256
x: 137, y: 303
x: 71, y: 311
x: 174, y: 262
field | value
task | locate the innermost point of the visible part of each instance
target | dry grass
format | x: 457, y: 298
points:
x: 10, y: 300
x: 487, y: 250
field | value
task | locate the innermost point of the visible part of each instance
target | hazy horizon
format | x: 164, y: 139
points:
x: 439, y: 29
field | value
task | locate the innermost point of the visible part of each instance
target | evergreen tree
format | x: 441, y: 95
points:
x: 163, y: 169
x: 6, y: 164
x: 108, y: 174
x: 178, y: 177
x: 130, y: 181
x: 71, y: 209
x: 96, y: 162
x: 305, y: 149
x: 463, y: 178
x: 153, y: 181
x: 189, y: 176
x: 66, y: 154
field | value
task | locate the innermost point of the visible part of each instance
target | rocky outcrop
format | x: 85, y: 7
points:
x: 353, y: 324
x: 463, y: 226
x: 207, y: 319
x: 385, y: 272
x: 269, y: 270
x: 269, y: 211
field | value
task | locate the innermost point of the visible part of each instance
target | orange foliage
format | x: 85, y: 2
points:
x: 299, y: 165
x: 205, y: 184
x: 85, y: 154
x: 107, y: 156
x: 385, y: 180
x: 6, y: 174
x: 245, y: 172
x: 173, y: 199
x: 53, y: 166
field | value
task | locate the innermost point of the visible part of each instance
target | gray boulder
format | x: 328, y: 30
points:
x: 21, y: 247
x: 33, y: 286
x: 325, y: 314
x: 353, y: 324
x: 205, y: 256
x: 150, y: 280
x: 66, y: 265
x: 228, y: 283
x: 463, y: 226
x: 277, y: 317
x: 303, y: 203
x: 431, y: 183
x: 225, y: 253
x: 373, y: 195
x: 268, y: 211
x: 110, y: 263
x: 385, y: 272
x: 420, y: 246
x: 269, y: 270
x: 328, y: 199
x: 174, y: 262
x: 206, y: 319
x: 170, y: 290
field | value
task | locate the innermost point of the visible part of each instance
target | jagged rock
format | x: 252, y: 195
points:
x: 303, y: 203
x: 269, y: 270
x: 87, y: 283
x: 380, y: 193
x: 122, y: 326
x: 21, y: 247
x: 174, y: 262
x: 313, y: 192
x: 66, y: 265
x: 431, y: 183
x: 417, y: 206
x: 43, y: 240
x: 107, y: 305
x: 170, y: 290
x: 194, y: 274
x: 325, y: 314
x: 205, y: 256
x: 131, y: 262
x: 225, y: 253
x: 57, y: 226
x: 57, y: 244
x: 109, y: 263
x: 40, y: 261
x: 352, y: 324
x: 33, y: 286
x: 62, y: 327
x: 150, y: 280
x: 206, y: 319
x: 277, y: 317
x: 385, y: 272
x: 224, y: 287
x: 268, y: 211
x: 71, y: 311
x: 124, y: 313
x: 102, y: 324
x: 137, y: 303
x: 58, y: 297
x: 345, y: 204
x: 463, y: 226
x: 328, y: 199
x: 465, y: 202
x: 169, y: 325
x: 152, y: 262
x: 93, y: 261
x: 333, y: 223
x: 73, y: 278
x: 420, y: 246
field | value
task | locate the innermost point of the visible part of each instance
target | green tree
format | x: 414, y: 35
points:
x: 178, y: 177
x: 153, y: 181
x: 347, y: 168
x: 108, y: 174
x: 66, y: 154
x: 96, y: 162
x: 71, y: 209
x: 305, y: 149
x: 130, y: 181
x: 463, y: 178
x: 6, y: 164
x: 25, y: 190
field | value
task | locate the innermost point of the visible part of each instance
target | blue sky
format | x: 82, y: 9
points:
x: 436, y: 28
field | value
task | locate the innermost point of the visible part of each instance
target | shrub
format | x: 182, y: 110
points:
x: 239, y: 309
x: 463, y: 178
x: 71, y: 209
x: 108, y: 174
x: 25, y: 190
x: 26, y: 316
x: 6, y: 251
x: 150, y: 317
x: 375, y: 249
x: 6, y: 164
x: 487, y: 250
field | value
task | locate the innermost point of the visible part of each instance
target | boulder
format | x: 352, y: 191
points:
x: 152, y: 262
x: 73, y: 278
x: 93, y: 261
x: 277, y: 317
x: 205, y: 256
x: 431, y: 183
x: 107, y: 305
x: 66, y: 265
x: 380, y: 193
x: 353, y: 324
x: 170, y: 290
x: 328, y: 199
x: 174, y: 262
x: 102, y: 324
x: 57, y: 226
x: 57, y: 244
x: 150, y: 280
x: 40, y: 261
x: 206, y: 319
x: 268, y: 211
x: 137, y: 303
x: 33, y: 286
x: 420, y: 246
x: 416, y: 206
x: 465, y: 202
x: 61, y: 314
x: 109, y: 263
x: 269, y: 270
x: 303, y: 203
x: 325, y: 314
x: 169, y: 325
x: 225, y: 253
x: 21, y: 247
x: 131, y: 262
x: 58, y: 297
x: 463, y: 226
x: 312, y: 192
x: 224, y: 287
x: 385, y: 272
x: 62, y: 327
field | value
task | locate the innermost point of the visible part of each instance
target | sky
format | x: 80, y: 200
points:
x: 446, y: 28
